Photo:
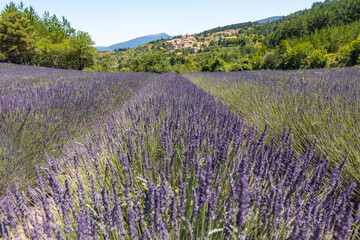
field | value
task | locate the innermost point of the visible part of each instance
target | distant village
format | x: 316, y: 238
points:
x: 195, y: 45
x: 185, y: 42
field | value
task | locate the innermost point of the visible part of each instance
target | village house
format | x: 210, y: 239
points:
x: 182, y: 42
x: 230, y: 37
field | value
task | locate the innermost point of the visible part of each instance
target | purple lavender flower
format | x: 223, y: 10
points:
x: 132, y: 224
x: 244, y: 201
x: 171, y: 162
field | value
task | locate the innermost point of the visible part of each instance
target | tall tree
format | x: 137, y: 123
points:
x: 82, y: 51
x: 16, y: 39
x: 47, y: 41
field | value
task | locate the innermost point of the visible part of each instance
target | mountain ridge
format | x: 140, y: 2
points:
x: 139, y: 41
x: 133, y: 43
x: 265, y: 20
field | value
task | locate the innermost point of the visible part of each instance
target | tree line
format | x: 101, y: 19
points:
x: 27, y: 38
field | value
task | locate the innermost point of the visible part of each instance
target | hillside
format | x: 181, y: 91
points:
x: 136, y: 42
x: 241, y: 25
x: 326, y: 35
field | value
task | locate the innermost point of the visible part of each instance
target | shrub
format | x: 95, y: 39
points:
x: 244, y: 65
x: 350, y: 53
x: 218, y: 66
x: 317, y: 59
x: 298, y: 56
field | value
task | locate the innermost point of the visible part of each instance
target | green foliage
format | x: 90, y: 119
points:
x: 82, y: 53
x: 52, y: 54
x: 243, y: 65
x: 54, y: 29
x: 218, y: 65
x: 350, y: 53
x: 297, y: 57
x: 322, y: 15
x: 262, y: 51
x: 15, y: 35
x: 271, y: 60
x: 212, y: 43
x: 2, y: 57
x: 331, y: 38
x: 190, y: 65
x: 233, y: 26
x: 150, y: 62
x: 27, y: 38
x: 258, y: 62
x: 206, y: 65
x: 317, y: 59
x: 240, y: 41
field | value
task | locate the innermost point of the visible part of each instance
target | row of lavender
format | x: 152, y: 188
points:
x: 321, y: 105
x: 176, y: 164
x: 42, y: 109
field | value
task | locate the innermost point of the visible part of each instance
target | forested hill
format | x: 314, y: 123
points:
x: 304, y: 22
x: 325, y: 35
x: 48, y: 41
x: 240, y: 25
x: 322, y: 15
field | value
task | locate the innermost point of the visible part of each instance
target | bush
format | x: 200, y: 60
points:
x: 271, y: 60
x: 206, y: 65
x: 150, y: 62
x: 209, y: 65
x: 317, y: 59
x: 355, y: 52
x: 243, y: 65
x: 218, y: 65
x: 332, y: 61
x: 298, y: 56
x: 258, y: 62
x: 350, y: 53
x: 2, y: 57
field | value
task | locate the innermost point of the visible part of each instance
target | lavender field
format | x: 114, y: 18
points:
x: 41, y: 110
x: 147, y: 156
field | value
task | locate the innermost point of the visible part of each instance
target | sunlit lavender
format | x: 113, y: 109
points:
x: 42, y: 109
x: 320, y: 105
x: 169, y: 161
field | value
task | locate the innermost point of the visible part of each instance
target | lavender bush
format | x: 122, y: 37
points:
x: 174, y: 163
x: 42, y: 109
x: 321, y: 105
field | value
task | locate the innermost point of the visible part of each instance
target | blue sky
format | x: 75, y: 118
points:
x: 113, y: 21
